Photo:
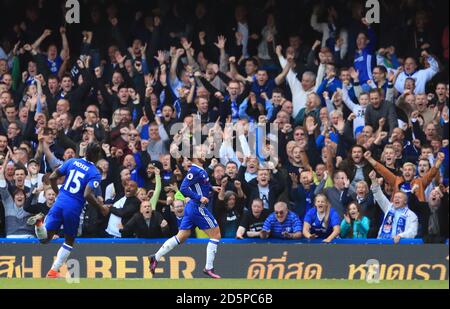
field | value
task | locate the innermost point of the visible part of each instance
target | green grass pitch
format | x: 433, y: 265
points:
x: 215, y: 284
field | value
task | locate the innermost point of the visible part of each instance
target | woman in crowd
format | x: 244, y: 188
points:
x: 322, y: 221
x: 354, y: 225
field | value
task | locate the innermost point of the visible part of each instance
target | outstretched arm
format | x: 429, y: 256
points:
x: 234, y: 71
x: 347, y: 101
x: 65, y: 43
x: 41, y: 39
x: 4, y: 192
x: 291, y: 77
x: 378, y: 195
x: 155, y: 197
x: 434, y: 66
x: 379, y: 168
x: 174, y: 64
x: 282, y: 76
x: 315, y: 24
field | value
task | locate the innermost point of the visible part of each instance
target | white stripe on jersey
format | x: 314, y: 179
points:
x: 199, y: 190
x: 369, y: 66
x: 208, y: 219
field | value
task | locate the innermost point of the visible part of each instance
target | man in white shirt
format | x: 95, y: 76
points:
x: 399, y: 221
x: 301, y: 89
x: 115, y: 222
x: 421, y: 77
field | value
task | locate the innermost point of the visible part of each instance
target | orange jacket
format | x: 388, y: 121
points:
x: 394, y: 181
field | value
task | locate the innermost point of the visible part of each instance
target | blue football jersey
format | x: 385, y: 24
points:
x: 196, y: 184
x: 79, y: 174
x: 318, y: 227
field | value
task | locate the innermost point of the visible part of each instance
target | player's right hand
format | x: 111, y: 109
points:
x: 105, y: 210
x: 204, y: 200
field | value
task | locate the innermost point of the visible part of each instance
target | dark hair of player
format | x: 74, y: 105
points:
x: 93, y: 151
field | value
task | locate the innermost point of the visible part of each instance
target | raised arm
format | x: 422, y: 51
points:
x: 4, y: 192
x: 155, y: 197
x: 434, y: 66
x: 3, y: 166
x: 282, y: 76
x: 379, y: 196
x: 347, y: 101
x: 320, y: 75
x: 221, y: 41
x: 38, y: 42
x: 223, y: 186
x: 174, y: 64
x: 291, y: 77
x: 40, y: 149
x: 320, y: 188
x: 379, y: 168
x: 234, y: 70
x: 328, y: 102
x: 390, y: 94
x: 162, y: 131
x: 428, y: 177
x: 65, y: 43
x: 314, y: 21
x: 64, y: 66
x: 356, y: 84
x: 189, y: 54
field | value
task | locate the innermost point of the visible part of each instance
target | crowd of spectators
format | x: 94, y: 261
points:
x: 361, y: 112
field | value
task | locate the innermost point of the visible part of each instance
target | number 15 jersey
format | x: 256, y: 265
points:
x: 79, y: 174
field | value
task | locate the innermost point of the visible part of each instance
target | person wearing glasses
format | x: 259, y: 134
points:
x: 282, y: 223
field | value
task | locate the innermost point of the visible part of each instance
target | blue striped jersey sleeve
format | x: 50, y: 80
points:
x: 297, y: 225
x: 267, y: 226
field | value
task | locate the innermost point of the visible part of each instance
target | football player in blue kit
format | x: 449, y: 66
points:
x: 82, y: 178
x: 197, y: 188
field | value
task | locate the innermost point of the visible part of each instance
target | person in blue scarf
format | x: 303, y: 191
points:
x: 399, y: 221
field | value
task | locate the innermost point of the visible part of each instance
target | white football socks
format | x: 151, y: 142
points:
x: 211, y: 250
x: 61, y: 257
x: 167, y: 247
